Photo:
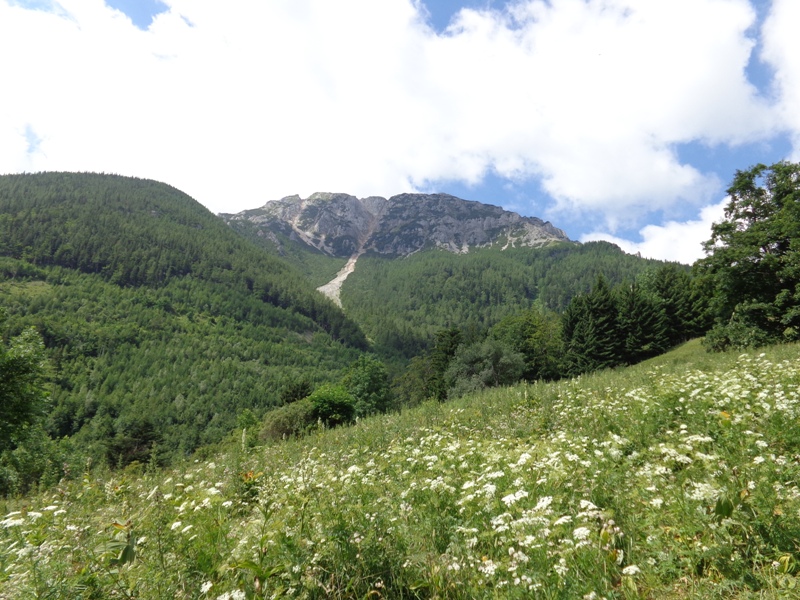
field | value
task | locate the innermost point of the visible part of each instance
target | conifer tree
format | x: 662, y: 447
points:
x: 642, y: 324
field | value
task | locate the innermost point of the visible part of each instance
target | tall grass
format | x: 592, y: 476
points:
x: 675, y: 478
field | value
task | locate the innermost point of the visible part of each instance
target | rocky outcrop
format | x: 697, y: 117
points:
x: 343, y: 225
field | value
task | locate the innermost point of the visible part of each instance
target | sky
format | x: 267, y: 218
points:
x: 622, y: 120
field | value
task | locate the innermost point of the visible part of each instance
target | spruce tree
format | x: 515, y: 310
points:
x: 642, y: 324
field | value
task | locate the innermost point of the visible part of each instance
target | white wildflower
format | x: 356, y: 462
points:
x: 581, y: 533
x: 205, y: 587
x: 631, y: 570
x: 511, y: 499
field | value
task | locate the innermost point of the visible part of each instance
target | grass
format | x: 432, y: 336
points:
x: 675, y: 478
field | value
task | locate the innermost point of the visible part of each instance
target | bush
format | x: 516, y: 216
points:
x: 286, y: 421
x: 333, y: 405
x: 486, y: 364
x: 736, y: 335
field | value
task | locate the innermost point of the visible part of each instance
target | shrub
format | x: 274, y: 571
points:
x: 333, y: 405
x: 736, y: 335
x: 289, y: 420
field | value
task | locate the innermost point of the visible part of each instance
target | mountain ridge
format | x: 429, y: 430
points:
x: 343, y: 225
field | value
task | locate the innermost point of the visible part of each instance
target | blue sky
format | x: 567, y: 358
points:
x: 615, y: 119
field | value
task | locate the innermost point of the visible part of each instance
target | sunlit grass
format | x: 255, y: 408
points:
x: 675, y: 478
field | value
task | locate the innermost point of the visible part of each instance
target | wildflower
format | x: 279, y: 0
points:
x: 205, y: 587
x: 758, y: 460
x: 175, y: 525
x: 561, y: 568
x: 512, y: 498
x: 631, y: 570
x: 8, y: 523
x: 656, y: 502
x: 581, y: 533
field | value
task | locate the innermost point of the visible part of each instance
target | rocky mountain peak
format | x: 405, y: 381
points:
x: 344, y: 225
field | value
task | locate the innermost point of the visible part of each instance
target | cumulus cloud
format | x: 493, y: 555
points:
x: 244, y: 101
x: 674, y: 241
x: 781, y: 49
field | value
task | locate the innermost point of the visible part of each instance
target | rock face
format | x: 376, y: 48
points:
x: 343, y: 225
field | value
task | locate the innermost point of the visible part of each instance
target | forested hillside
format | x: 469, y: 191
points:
x: 402, y: 303
x: 136, y: 232
x: 163, y: 329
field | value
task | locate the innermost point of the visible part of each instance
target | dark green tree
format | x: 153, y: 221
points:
x: 536, y: 335
x: 22, y: 385
x: 332, y: 405
x: 672, y: 286
x: 295, y: 390
x: 591, y: 331
x: 642, y: 324
x: 444, y: 349
x: 753, y: 259
x: 367, y: 381
x: 481, y: 365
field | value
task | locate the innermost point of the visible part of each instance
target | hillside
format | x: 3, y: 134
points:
x: 405, y: 267
x: 675, y: 478
x: 400, y: 304
x: 163, y: 327
x: 138, y: 232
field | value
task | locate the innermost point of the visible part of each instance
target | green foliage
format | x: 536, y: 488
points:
x: 753, y: 259
x: 481, y: 365
x: 642, y: 323
x: 367, y: 381
x: 333, y: 405
x: 536, y: 334
x: 170, y: 367
x: 633, y: 321
x: 592, y: 335
x: 135, y: 232
x: 402, y: 304
x: 296, y: 390
x: 288, y: 421
x: 675, y: 478
x: 22, y: 391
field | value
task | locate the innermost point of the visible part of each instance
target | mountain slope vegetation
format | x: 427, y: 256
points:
x: 164, y: 330
x: 402, y: 303
x: 136, y: 232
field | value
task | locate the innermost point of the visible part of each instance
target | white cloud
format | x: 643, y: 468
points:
x: 782, y: 51
x: 244, y: 101
x: 675, y: 241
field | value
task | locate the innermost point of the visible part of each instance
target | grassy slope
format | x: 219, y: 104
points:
x: 674, y: 478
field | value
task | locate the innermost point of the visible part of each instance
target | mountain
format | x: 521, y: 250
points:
x: 162, y: 325
x: 342, y: 225
x: 408, y: 266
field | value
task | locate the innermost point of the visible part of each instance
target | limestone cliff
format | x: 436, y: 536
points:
x: 343, y: 225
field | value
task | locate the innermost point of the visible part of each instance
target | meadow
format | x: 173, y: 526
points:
x: 675, y: 478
